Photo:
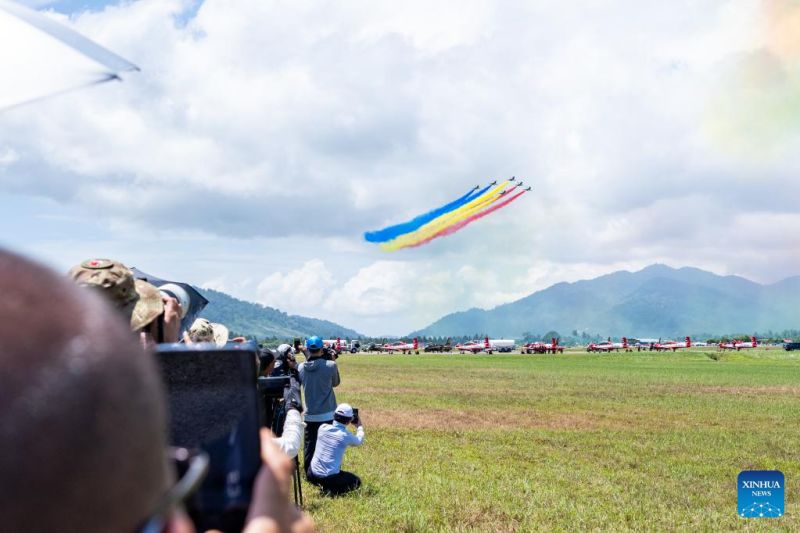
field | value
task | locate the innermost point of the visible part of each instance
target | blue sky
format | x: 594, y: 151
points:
x: 262, y: 138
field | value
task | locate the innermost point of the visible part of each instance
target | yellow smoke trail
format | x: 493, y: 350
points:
x: 453, y: 217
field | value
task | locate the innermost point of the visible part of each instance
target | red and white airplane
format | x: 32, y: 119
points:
x: 739, y: 345
x: 543, y: 347
x: 402, y: 346
x: 672, y: 345
x: 472, y: 346
x: 608, y: 346
x: 746, y: 345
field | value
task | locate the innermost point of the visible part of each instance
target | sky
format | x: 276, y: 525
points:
x: 261, y: 139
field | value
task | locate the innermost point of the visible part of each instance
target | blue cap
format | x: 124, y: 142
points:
x: 314, y: 343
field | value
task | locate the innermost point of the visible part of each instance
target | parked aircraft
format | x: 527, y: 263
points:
x: 402, y: 346
x: 744, y: 345
x: 608, y: 346
x: 471, y: 346
x: 543, y: 347
x: 672, y: 345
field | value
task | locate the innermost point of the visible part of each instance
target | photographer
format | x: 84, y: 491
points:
x: 156, y: 317
x: 318, y: 376
x: 332, y: 441
x: 281, y: 362
x: 83, y: 439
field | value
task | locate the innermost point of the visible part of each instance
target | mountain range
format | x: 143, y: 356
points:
x: 658, y: 301
x: 247, y: 318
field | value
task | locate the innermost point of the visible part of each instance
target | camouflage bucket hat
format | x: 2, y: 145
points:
x: 204, y: 331
x: 137, y: 300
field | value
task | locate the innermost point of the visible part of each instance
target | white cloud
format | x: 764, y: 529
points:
x: 301, y: 290
x: 264, y: 129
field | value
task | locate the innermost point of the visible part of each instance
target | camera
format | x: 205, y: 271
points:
x: 214, y: 406
x: 355, y: 415
x: 329, y: 354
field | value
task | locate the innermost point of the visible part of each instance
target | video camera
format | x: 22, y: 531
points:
x: 214, y: 405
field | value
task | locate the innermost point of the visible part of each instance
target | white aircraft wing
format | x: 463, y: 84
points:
x: 40, y: 57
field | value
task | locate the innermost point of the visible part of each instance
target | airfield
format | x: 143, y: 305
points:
x: 640, y: 441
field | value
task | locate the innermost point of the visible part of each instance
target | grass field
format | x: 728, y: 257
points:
x: 645, y: 442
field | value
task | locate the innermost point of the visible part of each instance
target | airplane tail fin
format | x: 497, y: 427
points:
x: 486, y: 343
x: 554, y: 342
x: 416, y: 343
x: 688, y: 342
x: 625, y: 342
x: 754, y: 341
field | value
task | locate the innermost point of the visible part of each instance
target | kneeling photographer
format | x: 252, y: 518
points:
x: 318, y: 376
x: 332, y: 441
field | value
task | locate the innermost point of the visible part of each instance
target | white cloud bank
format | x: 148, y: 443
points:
x: 289, y: 128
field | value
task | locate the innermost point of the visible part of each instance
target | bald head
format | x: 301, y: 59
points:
x: 82, y: 437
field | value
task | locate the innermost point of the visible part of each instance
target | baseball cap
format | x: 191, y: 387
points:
x: 314, y: 343
x: 345, y: 410
x: 204, y: 331
x: 139, y: 301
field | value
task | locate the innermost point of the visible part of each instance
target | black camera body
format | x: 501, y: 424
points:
x: 329, y: 354
x: 214, y: 405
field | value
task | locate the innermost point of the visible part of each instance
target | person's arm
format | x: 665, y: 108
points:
x: 270, y: 509
x: 292, y: 437
x: 172, y: 319
x: 336, y: 379
x: 358, y: 438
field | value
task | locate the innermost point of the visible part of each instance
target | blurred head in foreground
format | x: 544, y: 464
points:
x: 83, y: 435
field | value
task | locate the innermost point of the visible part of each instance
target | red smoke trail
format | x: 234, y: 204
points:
x: 455, y: 227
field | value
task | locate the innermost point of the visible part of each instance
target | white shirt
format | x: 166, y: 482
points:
x: 292, y: 438
x: 332, y: 441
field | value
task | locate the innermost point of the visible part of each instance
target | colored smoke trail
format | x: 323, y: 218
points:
x: 392, y: 232
x: 446, y: 220
x: 462, y: 224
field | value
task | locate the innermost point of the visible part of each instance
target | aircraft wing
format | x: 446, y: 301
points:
x: 40, y: 57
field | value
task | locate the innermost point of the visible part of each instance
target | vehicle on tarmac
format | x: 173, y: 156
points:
x: 438, y: 348
x: 789, y: 345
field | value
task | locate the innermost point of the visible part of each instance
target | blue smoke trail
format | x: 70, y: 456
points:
x: 389, y: 233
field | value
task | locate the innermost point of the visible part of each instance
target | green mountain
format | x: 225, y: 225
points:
x: 657, y: 301
x: 247, y: 318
